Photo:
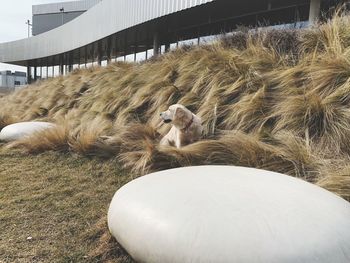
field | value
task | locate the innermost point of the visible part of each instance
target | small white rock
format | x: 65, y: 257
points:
x: 20, y: 130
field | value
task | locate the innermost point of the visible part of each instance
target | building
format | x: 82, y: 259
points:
x: 113, y: 29
x: 10, y: 80
x: 49, y: 16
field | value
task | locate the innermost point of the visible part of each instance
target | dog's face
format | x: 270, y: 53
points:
x: 175, y: 114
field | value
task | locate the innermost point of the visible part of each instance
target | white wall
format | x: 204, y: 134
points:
x: 8, y: 81
x: 22, y: 80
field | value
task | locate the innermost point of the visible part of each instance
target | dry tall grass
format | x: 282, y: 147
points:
x: 273, y: 99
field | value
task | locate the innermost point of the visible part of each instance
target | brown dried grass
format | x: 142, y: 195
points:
x: 271, y: 99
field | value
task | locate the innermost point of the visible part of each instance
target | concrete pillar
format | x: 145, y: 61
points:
x: 156, y: 44
x: 167, y: 47
x: 47, y: 68
x: 65, y: 63
x: 35, y: 73
x: 199, y: 35
x: 116, y: 47
x: 135, y: 46
x: 135, y: 52
x: 70, y: 61
x: 109, y: 50
x: 29, y: 74
x: 61, y: 65
x: 85, y: 56
x: 125, y: 43
x: 315, y: 8
x: 79, y: 57
x: 99, y: 53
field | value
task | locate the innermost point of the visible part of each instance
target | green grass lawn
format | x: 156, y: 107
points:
x: 61, y: 202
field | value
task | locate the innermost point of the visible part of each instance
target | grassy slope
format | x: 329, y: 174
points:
x: 277, y: 100
x: 61, y: 201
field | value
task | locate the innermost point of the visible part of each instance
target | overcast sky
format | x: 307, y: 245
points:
x: 14, y: 14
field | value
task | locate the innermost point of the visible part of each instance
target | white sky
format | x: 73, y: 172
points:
x: 13, y: 15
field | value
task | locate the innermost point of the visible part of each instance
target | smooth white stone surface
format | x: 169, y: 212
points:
x: 229, y: 214
x: 20, y: 130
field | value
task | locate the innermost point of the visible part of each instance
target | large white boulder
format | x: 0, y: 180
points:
x: 229, y: 214
x: 20, y: 130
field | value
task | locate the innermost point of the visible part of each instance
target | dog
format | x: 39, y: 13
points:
x: 186, y: 126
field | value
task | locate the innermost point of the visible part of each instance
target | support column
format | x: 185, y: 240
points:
x: 177, y: 40
x: 109, y: 50
x: 70, y: 61
x: 125, y: 43
x: 116, y: 47
x: 199, y: 36
x: 29, y: 75
x: 61, y: 65
x: 99, y: 53
x: 156, y: 44
x: 41, y: 68
x: 35, y: 73
x: 135, y: 46
x: 79, y: 57
x: 65, y: 63
x: 47, y: 68
x: 147, y: 46
x: 135, y: 54
x: 85, y: 56
x: 167, y: 47
x: 315, y: 8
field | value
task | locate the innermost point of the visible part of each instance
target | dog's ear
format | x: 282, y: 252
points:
x: 179, y: 113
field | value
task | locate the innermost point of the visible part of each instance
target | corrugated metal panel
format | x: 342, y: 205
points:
x: 72, y: 6
x: 104, y: 19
